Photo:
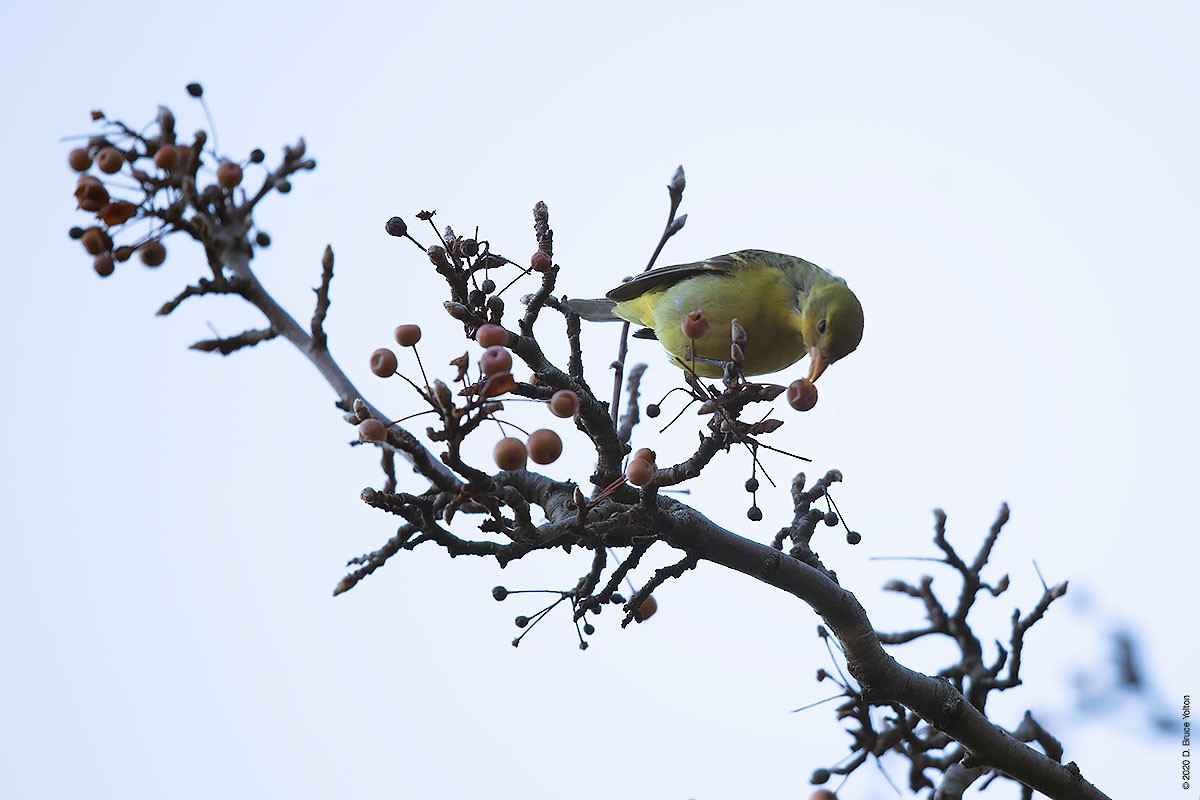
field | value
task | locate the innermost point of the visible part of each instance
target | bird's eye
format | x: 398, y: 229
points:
x: 821, y: 326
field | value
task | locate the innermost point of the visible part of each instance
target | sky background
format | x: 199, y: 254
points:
x: 1010, y: 190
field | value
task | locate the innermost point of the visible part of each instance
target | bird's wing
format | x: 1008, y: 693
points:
x: 664, y: 277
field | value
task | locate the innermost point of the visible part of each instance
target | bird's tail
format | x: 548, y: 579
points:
x: 593, y: 310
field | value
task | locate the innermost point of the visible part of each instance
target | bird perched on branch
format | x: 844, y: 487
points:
x: 788, y: 307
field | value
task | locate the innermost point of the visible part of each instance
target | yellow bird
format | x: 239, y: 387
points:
x: 789, y: 308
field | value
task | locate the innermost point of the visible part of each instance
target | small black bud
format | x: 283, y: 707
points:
x: 195, y: 89
x: 263, y: 239
x: 257, y: 156
x: 521, y: 621
x: 396, y: 227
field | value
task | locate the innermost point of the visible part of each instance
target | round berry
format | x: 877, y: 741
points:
x: 109, y: 160
x: 195, y: 89
x: 408, y: 335
x: 819, y: 776
x: 103, y: 264
x: 544, y: 446
x: 95, y: 241
x: 499, y: 592
x: 802, y: 394
x: 469, y: 248
x: 257, y: 156
x: 754, y: 513
x: 853, y: 537
x: 229, y: 174
x: 589, y: 628
x: 646, y: 454
x: 167, y: 157
x: 639, y: 472
x: 510, y: 454
x: 694, y: 325
x: 488, y: 286
x: 564, y: 403
x: 491, y: 336
x: 653, y: 410
x: 371, y: 430
x: 752, y: 484
x: 123, y: 253
x: 152, y: 253
x: 495, y: 359
x: 823, y: 794
x: 262, y: 239
x: 831, y: 518
x: 383, y: 363
x: 521, y: 621
x: 541, y: 261
x: 79, y: 160
x: 646, y: 609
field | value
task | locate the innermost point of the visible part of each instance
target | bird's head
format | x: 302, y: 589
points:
x: 831, y: 320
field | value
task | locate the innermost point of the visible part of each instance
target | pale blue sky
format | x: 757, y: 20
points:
x: 1011, y: 191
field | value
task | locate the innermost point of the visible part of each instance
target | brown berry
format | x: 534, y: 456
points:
x: 694, y: 325
x: 383, y: 363
x: 408, y: 335
x: 646, y: 454
x: 371, y: 430
x: 167, y: 158
x: 95, y: 241
x: 823, y: 794
x: 510, y: 454
x: 544, y: 446
x: 90, y: 194
x: 802, y: 394
x: 564, y: 403
x: 646, y: 609
x: 498, y: 384
x: 116, y: 212
x: 495, y: 359
x: 79, y: 159
x: 491, y: 336
x: 123, y: 253
x: 109, y: 160
x: 541, y: 261
x: 229, y: 174
x: 152, y: 253
x: 103, y: 264
x: 639, y: 472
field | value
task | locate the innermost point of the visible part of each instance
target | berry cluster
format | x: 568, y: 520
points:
x: 127, y: 177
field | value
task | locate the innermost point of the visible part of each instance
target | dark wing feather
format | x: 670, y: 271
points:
x: 664, y: 277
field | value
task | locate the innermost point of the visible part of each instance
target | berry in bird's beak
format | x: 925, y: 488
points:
x: 817, y: 363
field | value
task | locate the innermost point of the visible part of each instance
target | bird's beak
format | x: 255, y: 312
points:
x: 816, y: 363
